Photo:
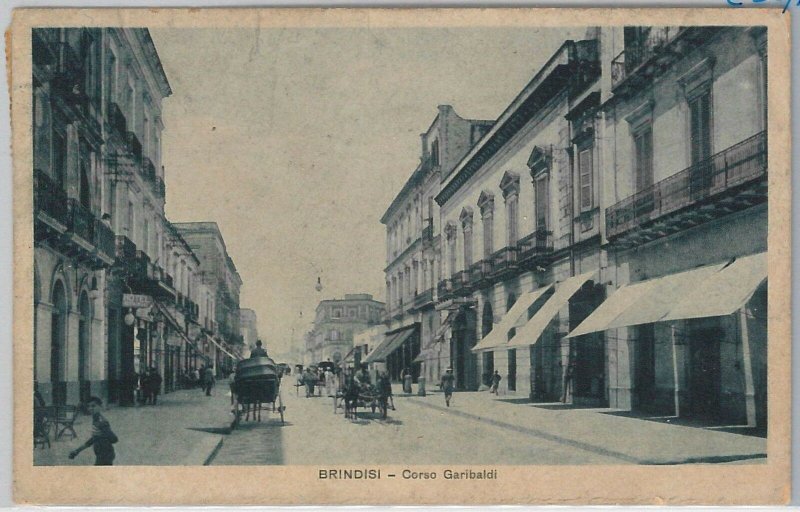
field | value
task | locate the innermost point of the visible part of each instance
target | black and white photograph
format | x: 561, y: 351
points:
x: 444, y: 250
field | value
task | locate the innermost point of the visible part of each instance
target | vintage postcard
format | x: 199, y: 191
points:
x: 412, y: 256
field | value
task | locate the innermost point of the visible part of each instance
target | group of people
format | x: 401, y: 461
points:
x: 150, y: 383
x: 315, y: 380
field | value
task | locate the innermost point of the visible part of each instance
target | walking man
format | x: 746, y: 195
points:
x: 496, y: 378
x: 103, y: 438
x: 448, y: 383
x: 208, y: 379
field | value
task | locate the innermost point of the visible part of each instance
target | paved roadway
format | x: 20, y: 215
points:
x: 414, y: 433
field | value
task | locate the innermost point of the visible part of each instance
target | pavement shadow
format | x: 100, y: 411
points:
x: 558, y: 406
x: 693, y: 423
x: 211, y: 430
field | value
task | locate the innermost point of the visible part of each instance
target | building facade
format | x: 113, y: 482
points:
x: 335, y: 324
x: 223, y: 283
x: 248, y: 323
x: 413, y: 262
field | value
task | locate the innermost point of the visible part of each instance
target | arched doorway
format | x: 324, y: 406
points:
x: 462, y: 360
x: 84, y: 343
x: 487, y: 323
x: 58, y: 332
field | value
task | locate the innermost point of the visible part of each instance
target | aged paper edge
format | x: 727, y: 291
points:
x: 701, y: 484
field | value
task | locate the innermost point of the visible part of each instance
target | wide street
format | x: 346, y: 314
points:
x: 476, y: 429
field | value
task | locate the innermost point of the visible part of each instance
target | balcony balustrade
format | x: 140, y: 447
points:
x: 444, y: 288
x: 481, y: 271
x: 148, y: 170
x: 134, y: 147
x: 504, y: 261
x: 427, y: 232
x: 728, y: 181
x: 535, y: 249
x: 80, y: 221
x: 423, y: 299
x: 117, y: 121
x: 641, y: 51
x: 462, y: 281
x: 126, y: 249
x: 104, y: 241
x: 49, y: 199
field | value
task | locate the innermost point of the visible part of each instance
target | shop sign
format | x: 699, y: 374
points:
x: 130, y: 300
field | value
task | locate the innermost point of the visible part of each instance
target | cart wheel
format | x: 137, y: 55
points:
x: 281, y: 408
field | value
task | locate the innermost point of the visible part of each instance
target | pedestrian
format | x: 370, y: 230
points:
x: 208, y: 379
x: 310, y: 379
x: 448, y: 383
x: 569, y: 373
x: 330, y: 382
x: 103, y: 438
x: 496, y: 378
x: 232, y: 387
x: 407, y: 378
x: 195, y: 377
x: 155, y: 385
x: 385, y: 387
x: 258, y: 351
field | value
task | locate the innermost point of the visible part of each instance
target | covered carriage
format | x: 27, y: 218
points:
x: 257, y: 383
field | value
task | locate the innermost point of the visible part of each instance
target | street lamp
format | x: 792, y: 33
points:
x: 319, y: 284
x: 129, y: 318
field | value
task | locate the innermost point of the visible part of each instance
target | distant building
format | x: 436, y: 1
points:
x: 219, y: 275
x: 248, y: 324
x: 335, y: 324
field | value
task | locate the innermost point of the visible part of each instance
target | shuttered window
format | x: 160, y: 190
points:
x: 585, y: 171
x: 700, y: 108
x: 643, y: 142
x: 512, y: 220
x: 542, y: 201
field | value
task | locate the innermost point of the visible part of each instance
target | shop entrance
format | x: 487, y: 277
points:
x: 704, y: 372
x: 465, y: 363
x: 589, y: 355
x: 645, y: 367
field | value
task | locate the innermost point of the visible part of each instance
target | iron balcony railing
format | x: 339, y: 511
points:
x: 134, y: 147
x: 49, y: 197
x: 104, y: 238
x: 535, y: 246
x: 80, y: 221
x: 148, y: 170
x: 427, y: 231
x: 738, y: 164
x: 637, y: 53
x: 505, y: 259
x: 126, y: 249
x: 444, y: 288
x: 462, y: 281
x: 423, y: 298
x: 482, y: 270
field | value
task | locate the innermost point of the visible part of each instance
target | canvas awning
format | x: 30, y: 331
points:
x: 517, y: 316
x: 391, y: 343
x: 178, y: 329
x: 725, y: 292
x: 219, y: 345
x: 439, y: 336
x: 530, y: 333
x: 713, y: 290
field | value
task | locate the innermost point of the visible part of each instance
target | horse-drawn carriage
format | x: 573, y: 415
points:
x: 257, y: 383
x: 354, y: 395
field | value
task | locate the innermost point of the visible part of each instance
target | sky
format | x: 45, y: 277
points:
x: 296, y: 140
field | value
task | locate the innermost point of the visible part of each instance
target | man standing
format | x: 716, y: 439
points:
x: 496, y: 378
x: 448, y: 383
x: 208, y: 379
x: 103, y: 438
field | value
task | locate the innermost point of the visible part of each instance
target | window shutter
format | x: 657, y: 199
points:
x: 585, y: 165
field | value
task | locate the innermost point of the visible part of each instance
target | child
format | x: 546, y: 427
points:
x: 103, y: 438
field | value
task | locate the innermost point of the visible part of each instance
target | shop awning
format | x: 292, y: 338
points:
x: 725, y: 292
x: 423, y: 355
x: 517, y: 316
x: 390, y: 344
x: 219, y: 345
x: 530, y: 333
x: 178, y: 329
x: 645, y: 302
x: 439, y: 336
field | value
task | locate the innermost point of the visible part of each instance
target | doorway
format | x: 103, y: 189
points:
x: 464, y: 362
x: 589, y: 378
x: 84, y: 340
x: 646, y: 367
x: 704, y: 372
x: 58, y: 333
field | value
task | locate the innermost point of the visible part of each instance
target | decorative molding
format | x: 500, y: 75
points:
x: 509, y: 184
x: 698, y: 79
x: 466, y: 218
x: 486, y: 203
x: 540, y: 160
x: 641, y: 115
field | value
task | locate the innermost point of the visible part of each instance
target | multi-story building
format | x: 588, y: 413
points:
x: 412, y: 247
x: 685, y: 197
x: 74, y: 246
x: 219, y: 275
x: 248, y: 323
x: 519, y: 231
x: 335, y: 324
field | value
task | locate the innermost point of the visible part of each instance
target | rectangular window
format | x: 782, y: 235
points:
x: 451, y: 246
x: 59, y: 158
x: 700, y: 111
x: 130, y: 220
x: 585, y: 179
x: 488, y: 237
x: 467, y: 249
x: 643, y: 146
x: 542, y: 202
x: 512, y: 221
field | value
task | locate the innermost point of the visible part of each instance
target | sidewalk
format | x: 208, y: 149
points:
x: 604, y: 431
x: 185, y: 428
